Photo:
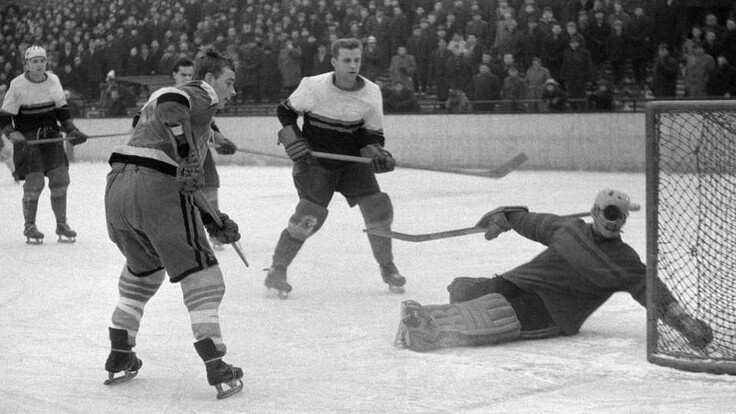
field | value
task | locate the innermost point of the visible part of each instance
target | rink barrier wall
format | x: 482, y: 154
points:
x: 569, y: 142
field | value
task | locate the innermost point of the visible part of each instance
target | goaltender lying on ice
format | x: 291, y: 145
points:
x: 551, y: 295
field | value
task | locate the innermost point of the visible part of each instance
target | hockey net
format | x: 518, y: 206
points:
x: 691, y: 228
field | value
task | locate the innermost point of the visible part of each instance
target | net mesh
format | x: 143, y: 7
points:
x: 696, y: 227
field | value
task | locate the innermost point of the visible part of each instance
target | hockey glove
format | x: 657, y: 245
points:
x: 77, y: 136
x: 226, y: 234
x: 383, y: 161
x: 190, y: 175
x: 697, y: 332
x: 496, y: 221
x: 296, y: 147
x: 226, y: 147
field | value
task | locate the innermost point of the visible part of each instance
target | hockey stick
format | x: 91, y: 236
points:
x: 68, y: 138
x: 201, y: 202
x: 498, y: 172
x: 458, y: 232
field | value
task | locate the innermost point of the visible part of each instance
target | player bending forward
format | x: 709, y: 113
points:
x: 343, y: 114
x: 153, y: 218
x: 551, y: 295
x: 182, y: 73
x: 35, y: 108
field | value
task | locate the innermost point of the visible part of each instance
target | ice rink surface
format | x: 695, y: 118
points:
x: 328, y: 348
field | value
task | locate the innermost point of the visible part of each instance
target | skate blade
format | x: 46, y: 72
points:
x: 68, y: 241
x: 34, y: 241
x: 396, y: 289
x: 127, y: 376
x: 234, y: 387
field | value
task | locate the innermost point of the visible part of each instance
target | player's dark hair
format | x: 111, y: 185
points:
x: 186, y: 62
x: 211, y: 62
x: 349, y: 43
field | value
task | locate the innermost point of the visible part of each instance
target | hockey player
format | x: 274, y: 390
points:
x: 182, y: 73
x: 551, y: 295
x: 153, y: 217
x: 35, y: 108
x: 343, y: 114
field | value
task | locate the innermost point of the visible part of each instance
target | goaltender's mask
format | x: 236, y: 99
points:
x: 610, y: 210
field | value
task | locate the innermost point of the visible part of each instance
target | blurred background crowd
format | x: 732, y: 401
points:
x: 440, y: 55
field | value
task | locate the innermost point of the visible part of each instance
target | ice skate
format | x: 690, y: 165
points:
x: 33, y: 236
x: 65, y: 233
x: 276, y: 279
x: 393, y: 278
x: 224, y: 377
x: 121, y: 359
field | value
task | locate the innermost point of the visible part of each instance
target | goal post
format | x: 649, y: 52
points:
x: 691, y: 228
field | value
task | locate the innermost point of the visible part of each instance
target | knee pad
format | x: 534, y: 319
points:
x: 203, y: 292
x: 58, y: 181
x: 487, y: 320
x: 307, y: 219
x: 33, y: 186
x: 377, y: 210
x: 135, y: 292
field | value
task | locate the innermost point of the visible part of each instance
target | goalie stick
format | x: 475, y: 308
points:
x: 498, y: 172
x: 68, y: 138
x: 458, y: 232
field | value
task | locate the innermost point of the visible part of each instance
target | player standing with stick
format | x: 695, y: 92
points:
x: 343, y: 114
x: 551, y: 295
x: 153, y: 218
x: 35, y: 108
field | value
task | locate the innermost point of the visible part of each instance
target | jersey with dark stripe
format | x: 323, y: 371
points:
x: 153, y: 140
x: 34, y: 104
x: 336, y: 120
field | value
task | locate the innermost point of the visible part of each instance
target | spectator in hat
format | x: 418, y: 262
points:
x: 666, y: 70
x: 698, y: 67
x: 536, y: 77
x: 513, y: 90
x: 577, y: 72
x: 374, y: 59
x: 554, y: 97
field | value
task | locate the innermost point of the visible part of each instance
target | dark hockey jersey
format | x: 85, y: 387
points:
x: 578, y: 271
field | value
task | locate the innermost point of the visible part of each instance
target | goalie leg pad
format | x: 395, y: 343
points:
x: 307, y: 219
x: 487, y: 320
x: 378, y: 213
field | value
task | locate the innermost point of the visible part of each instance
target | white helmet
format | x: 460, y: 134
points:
x: 35, y: 51
x: 610, y: 210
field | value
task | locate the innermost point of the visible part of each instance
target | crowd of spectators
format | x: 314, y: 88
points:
x: 537, y: 55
